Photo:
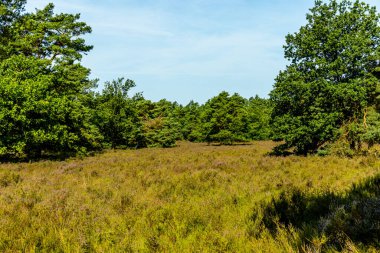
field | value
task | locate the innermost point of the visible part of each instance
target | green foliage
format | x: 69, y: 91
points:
x: 42, y: 85
x: 116, y: 115
x: 223, y: 137
x: 371, y: 133
x: 259, y: 110
x: 45, y: 35
x: 190, y: 121
x: 10, y: 11
x: 357, y: 133
x: 225, y: 119
x: 35, y: 117
x: 331, y: 78
x: 160, y: 124
x: 160, y: 132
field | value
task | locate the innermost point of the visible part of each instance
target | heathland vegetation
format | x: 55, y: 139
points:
x: 192, y: 198
x: 238, y: 196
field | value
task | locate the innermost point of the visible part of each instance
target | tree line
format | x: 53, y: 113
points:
x: 135, y: 122
x: 328, y: 94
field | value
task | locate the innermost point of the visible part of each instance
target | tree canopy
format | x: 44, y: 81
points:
x: 225, y: 119
x: 42, y: 83
x: 331, y: 78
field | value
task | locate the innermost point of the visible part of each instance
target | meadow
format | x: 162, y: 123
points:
x: 191, y: 198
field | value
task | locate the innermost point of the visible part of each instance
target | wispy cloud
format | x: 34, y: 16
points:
x: 193, y: 49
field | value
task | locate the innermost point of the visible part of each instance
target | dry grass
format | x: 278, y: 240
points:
x: 186, y: 199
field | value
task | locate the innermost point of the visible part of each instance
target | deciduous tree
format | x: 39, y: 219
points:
x: 330, y: 80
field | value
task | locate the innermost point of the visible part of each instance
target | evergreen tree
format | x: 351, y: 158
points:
x: 224, y: 119
x: 259, y: 110
x: 42, y: 84
x: 10, y: 12
x: 191, y: 122
x: 160, y: 124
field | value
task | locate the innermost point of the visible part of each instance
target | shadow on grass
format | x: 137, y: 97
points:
x: 281, y: 150
x: 354, y: 215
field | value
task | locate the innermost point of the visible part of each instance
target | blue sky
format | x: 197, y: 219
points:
x: 191, y: 49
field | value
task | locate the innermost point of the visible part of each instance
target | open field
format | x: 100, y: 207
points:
x: 192, y: 198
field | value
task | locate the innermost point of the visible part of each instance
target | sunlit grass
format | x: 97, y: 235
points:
x: 186, y: 199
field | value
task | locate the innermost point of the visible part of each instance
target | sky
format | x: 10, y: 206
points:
x: 190, y: 49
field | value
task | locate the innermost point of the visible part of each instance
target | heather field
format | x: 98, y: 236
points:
x: 192, y: 198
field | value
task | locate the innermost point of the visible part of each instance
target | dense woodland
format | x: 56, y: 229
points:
x: 326, y: 100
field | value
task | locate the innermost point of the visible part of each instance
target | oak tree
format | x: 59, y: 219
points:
x: 330, y: 80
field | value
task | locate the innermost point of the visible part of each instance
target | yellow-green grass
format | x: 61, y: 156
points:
x: 192, y: 198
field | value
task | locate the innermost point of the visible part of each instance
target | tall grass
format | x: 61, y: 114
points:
x: 193, y: 198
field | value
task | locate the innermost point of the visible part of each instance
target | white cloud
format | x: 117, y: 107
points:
x: 180, y: 44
